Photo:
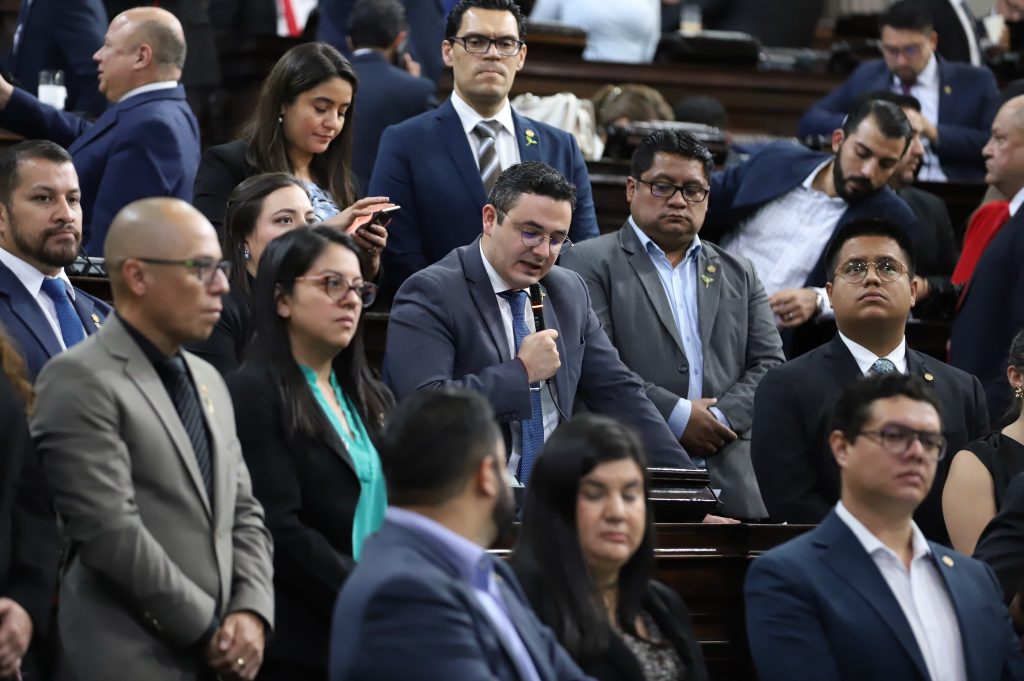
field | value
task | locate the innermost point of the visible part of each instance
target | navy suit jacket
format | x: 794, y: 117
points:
x: 26, y: 324
x: 61, y: 34
x: 968, y: 101
x: 818, y: 608
x: 387, y: 95
x: 427, y: 166
x: 403, y: 586
x: 446, y: 329
x: 144, y: 146
x: 991, y: 314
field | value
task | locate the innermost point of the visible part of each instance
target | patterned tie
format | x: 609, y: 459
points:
x: 487, y: 156
x: 533, y: 427
x: 71, y: 329
x: 183, y: 394
x: 882, y: 366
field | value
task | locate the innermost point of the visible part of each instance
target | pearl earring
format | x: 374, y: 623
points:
x: 280, y: 119
x: 245, y: 253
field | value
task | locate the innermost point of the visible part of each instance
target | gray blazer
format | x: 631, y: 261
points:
x: 152, y: 563
x: 737, y: 332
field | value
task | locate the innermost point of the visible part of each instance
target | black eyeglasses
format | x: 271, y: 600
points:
x: 337, y: 289
x: 533, y: 237
x: 897, y: 440
x: 478, y: 44
x: 204, y: 269
x: 693, y: 193
x: 856, y: 271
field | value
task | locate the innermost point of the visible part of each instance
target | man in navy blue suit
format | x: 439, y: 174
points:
x: 865, y: 595
x: 958, y: 101
x: 60, y: 34
x: 440, y: 165
x: 146, y: 144
x: 388, y: 94
x: 40, y: 231
x: 425, y: 600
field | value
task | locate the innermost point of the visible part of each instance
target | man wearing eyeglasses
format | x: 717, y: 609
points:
x: 169, y: 571
x: 871, y: 266
x: 40, y: 234
x: 441, y: 165
x: 691, y: 319
x: 958, y: 101
x: 865, y: 595
x: 469, y: 321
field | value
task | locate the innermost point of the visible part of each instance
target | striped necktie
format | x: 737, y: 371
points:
x: 487, y: 156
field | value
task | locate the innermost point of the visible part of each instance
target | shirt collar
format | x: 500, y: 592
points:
x: 29, y: 276
x: 497, y: 283
x: 929, y: 76
x: 873, y: 544
x: 809, y: 180
x: 865, y: 358
x: 1016, y: 202
x: 470, y: 117
x: 654, y: 249
x: 149, y: 87
x: 155, y: 356
x: 473, y: 564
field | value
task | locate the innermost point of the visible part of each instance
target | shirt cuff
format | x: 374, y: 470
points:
x: 722, y: 418
x: 679, y: 417
x: 826, y: 312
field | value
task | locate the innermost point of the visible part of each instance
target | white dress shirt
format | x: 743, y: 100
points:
x: 149, y: 87
x: 505, y: 141
x: 926, y: 90
x: 969, y: 32
x: 32, y: 280
x: 1016, y: 202
x: 547, y: 405
x: 922, y: 596
x: 865, y: 358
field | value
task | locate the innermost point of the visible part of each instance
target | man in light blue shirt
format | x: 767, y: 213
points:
x: 426, y: 600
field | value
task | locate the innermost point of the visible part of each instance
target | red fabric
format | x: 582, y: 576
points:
x: 289, y: 18
x: 985, y: 224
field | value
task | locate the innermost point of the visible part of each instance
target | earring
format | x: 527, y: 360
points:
x: 280, y: 119
x: 245, y: 253
x: 1018, y: 392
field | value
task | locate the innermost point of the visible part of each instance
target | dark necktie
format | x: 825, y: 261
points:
x: 487, y: 156
x: 71, y: 329
x: 183, y: 394
x: 533, y: 427
x: 882, y: 366
x: 905, y: 87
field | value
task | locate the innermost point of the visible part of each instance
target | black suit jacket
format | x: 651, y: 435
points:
x: 221, y: 168
x: 1001, y: 544
x: 798, y: 476
x: 953, y: 38
x: 935, y: 250
x: 225, y: 348
x: 309, y: 492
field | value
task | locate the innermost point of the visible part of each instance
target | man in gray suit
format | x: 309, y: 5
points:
x: 169, y: 572
x: 691, y: 319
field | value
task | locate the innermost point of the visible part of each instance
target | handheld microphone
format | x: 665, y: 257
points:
x: 537, y: 305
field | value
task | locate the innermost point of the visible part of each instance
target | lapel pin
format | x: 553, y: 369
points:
x: 712, y: 269
x: 531, y: 137
x: 96, y: 320
x: 947, y: 90
x: 928, y: 377
x: 206, y: 398
x: 948, y: 561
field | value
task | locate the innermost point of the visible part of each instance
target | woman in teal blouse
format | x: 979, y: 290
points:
x: 309, y: 413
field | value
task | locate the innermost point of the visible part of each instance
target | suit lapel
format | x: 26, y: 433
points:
x: 86, y: 309
x: 454, y: 139
x: 945, y: 562
x: 482, y: 292
x: 709, y: 290
x: 334, y: 443
x: 102, y: 124
x: 844, y: 554
x: 28, y: 311
x: 527, y: 139
x: 526, y: 630
x: 842, y: 359
x: 650, y: 281
x: 551, y: 322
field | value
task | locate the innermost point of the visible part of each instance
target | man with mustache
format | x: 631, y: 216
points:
x: 870, y: 266
x: 781, y: 208
x: 865, y: 595
x: 691, y: 319
x: 40, y: 233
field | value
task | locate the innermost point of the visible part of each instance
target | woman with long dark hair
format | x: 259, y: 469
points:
x: 979, y: 474
x: 309, y: 414
x: 586, y: 552
x: 298, y: 127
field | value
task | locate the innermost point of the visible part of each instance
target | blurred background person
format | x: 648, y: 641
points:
x: 621, y: 31
x: 585, y: 555
x: 309, y: 414
x: 261, y: 208
x: 620, y: 105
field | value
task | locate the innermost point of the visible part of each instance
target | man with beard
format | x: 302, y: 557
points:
x: 781, y: 208
x: 40, y: 233
x: 426, y: 601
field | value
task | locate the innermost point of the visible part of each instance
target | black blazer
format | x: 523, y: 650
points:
x: 1001, y: 544
x: 618, y: 663
x: 798, y: 476
x: 221, y: 168
x: 935, y: 250
x: 226, y: 345
x: 29, y: 542
x: 309, y: 492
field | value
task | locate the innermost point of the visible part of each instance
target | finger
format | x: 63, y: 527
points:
x: 370, y: 200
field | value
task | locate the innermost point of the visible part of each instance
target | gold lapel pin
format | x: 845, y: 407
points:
x: 947, y: 90
x: 96, y: 320
x: 948, y: 561
x: 712, y: 269
x: 928, y: 377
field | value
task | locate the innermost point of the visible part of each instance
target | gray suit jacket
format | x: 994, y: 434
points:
x: 738, y: 335
x: 152, y: 563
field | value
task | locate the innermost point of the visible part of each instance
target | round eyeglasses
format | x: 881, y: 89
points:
x: 533, y: 237
x: 856, y: 271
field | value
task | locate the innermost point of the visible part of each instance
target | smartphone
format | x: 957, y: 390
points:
x: 382, y: 212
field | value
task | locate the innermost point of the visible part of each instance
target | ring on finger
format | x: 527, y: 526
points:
x: 240, y: 662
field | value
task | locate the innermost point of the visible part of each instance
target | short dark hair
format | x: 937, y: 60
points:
x: 853, y: 409
x: 898, y: 98
x: 455, y: 16
x: 530, y: 177
x: 907, y: 15
x: 677, y: 142
x: 888, y: 117
x: 376, y: 23
x: 883, y: 227
x: 12, y: 157
x: 701, y: 109
x: 433, y: 442
x: 549, y: 546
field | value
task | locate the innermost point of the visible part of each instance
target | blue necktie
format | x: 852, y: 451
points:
x: 533, y: 427
x: 71, y: 329
x: 882, y: 366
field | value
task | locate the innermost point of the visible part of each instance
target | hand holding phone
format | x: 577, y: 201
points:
x: 382, y: 213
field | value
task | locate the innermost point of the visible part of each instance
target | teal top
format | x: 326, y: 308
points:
x: 373, y: 500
